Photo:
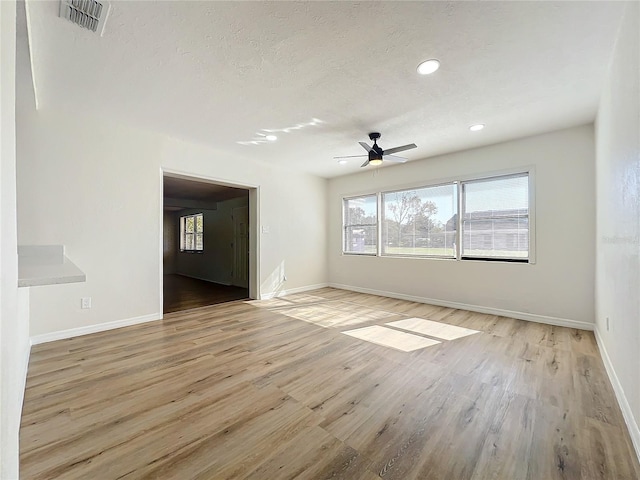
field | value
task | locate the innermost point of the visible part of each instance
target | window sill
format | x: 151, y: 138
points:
x: 493, y: 260
x: 432, y: 257
x: 525, y: 261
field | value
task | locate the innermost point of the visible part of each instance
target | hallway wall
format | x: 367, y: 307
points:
x: 170, y: 242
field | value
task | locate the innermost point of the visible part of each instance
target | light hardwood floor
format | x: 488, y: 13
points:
x: 274, y: 390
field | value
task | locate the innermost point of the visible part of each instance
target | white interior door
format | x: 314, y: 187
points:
x: 240, y: 274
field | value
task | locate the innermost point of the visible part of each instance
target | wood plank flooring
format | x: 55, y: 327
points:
x: 185, y: 293
x: 274, y: 390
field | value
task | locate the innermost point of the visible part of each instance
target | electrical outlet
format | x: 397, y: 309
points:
x: 85, y: 302
x: 607, y: 324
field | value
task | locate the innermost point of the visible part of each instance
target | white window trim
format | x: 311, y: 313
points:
x: 459, y: 223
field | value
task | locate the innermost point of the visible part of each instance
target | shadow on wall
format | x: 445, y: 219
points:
x: 273, y: 286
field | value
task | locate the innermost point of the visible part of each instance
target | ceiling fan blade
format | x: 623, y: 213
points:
x: 365, y: 163
x: 394, y: 158
x: 400, y: 149
x: 365, y: 146
x: 351, y: 156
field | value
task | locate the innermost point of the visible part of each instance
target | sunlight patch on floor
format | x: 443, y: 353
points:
x: 439, y: 330
x: 387, y: 337
x: 304, y: 298
x: 288, y: 301
x: 335, y: 314
x: 269, y: 303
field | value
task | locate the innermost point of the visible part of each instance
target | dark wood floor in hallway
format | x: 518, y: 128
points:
x: 184, y: 293
x: 274, y: 389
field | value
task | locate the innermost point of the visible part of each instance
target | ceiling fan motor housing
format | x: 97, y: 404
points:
x: 376, y: 152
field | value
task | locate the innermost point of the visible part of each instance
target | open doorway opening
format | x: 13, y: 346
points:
x: 207, y: 248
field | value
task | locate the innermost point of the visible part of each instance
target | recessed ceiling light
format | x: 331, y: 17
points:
x: 429, y: 66
x: 477, y: 127
x: 342, y: 162
x: 271, y: 138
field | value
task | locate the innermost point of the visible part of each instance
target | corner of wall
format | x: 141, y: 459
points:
x: 627, y: 413
x: 617, y: 144
x: 14, y: 311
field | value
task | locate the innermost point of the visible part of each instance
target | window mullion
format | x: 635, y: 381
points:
x: 379, y: 220
x: 459, y: 234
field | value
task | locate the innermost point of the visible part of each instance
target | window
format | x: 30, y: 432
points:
x: 420, y: 222
x: 192, y: 233
x: 361, y: 225
x: 478, y: 219
x: 495, y: 223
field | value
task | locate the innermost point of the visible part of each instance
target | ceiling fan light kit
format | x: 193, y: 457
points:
x: 376, y: 155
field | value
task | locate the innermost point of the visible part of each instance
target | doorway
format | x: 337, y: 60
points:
x: 207, y: 243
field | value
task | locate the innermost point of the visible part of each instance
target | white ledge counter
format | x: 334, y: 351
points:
x: 46, y: 265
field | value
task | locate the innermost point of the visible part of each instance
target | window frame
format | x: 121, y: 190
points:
x: 381, y: 194
x: 376, y: 225
x: 528, y: 171
x: 183, y: 233
x: 530, y: 258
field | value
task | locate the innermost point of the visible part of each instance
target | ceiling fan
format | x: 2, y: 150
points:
x: 377, y: 155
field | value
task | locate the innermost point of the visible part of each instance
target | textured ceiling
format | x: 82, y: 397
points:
x: 324, y: 74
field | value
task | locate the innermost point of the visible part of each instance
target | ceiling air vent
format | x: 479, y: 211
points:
x: 88, y: 14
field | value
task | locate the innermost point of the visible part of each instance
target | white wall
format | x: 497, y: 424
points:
x: 561, y: 283
x: 14, y: 328
x: 95, y: 186
x: 618, y: 221
x: 215, y: 264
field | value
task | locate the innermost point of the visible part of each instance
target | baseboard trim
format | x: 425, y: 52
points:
x: 531, y: 317
x: 289, y: 291
x: 100, y: 327
x: 632, y: 426
x: 204, y: 279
